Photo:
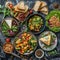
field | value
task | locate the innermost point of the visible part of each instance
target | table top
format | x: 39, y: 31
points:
x: 2, y: 37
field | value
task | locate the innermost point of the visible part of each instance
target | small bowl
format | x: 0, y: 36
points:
x: 43, y: 19
x: 41, y: 52
x: 52, y: 45
x: 7, y: 45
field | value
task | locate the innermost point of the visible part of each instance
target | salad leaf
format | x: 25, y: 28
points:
x: 5, y: 11
x: 53, y: 13
x: 54, y: 52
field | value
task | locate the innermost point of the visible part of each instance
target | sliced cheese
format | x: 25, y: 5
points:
x: 36, y: 6
x: 9, y: 23
x: 46, y: 40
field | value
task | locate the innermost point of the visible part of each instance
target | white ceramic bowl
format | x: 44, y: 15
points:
x: 41, y: 55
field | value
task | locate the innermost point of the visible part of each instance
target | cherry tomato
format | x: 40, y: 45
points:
x: 8, y: 39
x: 31, y: 11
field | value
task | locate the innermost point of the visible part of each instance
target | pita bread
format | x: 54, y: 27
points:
x: 46, y: 40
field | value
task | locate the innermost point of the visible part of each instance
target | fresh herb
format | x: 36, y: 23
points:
x: 5, y: 11
x: 54, y: 52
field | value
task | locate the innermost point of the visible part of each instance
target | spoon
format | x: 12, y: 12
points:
x: 14, y: 55
x: 39, y: 51
x: 10, y: 48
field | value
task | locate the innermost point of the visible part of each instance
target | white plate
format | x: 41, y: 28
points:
x: 50, y: 47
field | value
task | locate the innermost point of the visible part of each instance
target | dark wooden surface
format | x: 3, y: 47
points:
x: 30, y: 3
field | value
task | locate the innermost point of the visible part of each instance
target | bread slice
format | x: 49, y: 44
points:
x: 46, y: 40
x: 45, y: 12
x: 44, y: 9
x: 43, y: 4
x: 36, y: 6
x: 16, y: 8
x: 26, y: 8
x: 24, y: 11
x: 21, y: 5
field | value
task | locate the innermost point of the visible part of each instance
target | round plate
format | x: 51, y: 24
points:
x: 52, y: 46
x: 9, y: 29
x: 18, y: 36
x: 43, y: 19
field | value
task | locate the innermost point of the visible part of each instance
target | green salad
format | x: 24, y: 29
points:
x: 9, y: 27
x: 25, y: 43
x: 35, y: 23
x: 53, y: 20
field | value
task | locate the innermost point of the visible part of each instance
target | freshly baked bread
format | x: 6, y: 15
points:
x: 44, y: 9
x: 16, y: 8
x: 36, y: 6
x: 26, y: 8
x: 43, y: 4
x: 45, y: 12
x: 21, y: 5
